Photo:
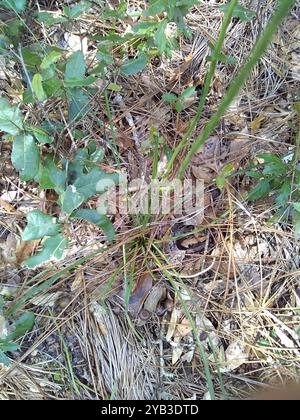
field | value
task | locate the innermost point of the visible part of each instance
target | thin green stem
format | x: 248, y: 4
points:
x: 214, y: 61
x: 283, y: 9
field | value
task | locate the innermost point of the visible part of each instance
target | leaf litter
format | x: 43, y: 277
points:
x: 247, y: 301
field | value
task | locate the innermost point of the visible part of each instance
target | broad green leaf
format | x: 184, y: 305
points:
x: 269, y: 158
x: 169, y: 97
x: 53, y: 248
x: 71, y: 199
x: 15, y: 5
x: 78, y: 103
x: 225, y: 173
x: 6, y: 345
x: 75, y: 82
x: 10, y: 118
x: 32, y: 57
x: 187, y: 93
x: 50, y: 59
x: 146, y: 27
x: 160, y: 39
x: 41, y: 135
x: 14, y: 31
x: 39, y: 225
x: 24, y: 324
x: 52, y: 87
x: 51, y: 177
x: 37, y: 87
x: 100, y: 220
x: 25, y: 156
x: 179, y: 106
x: 3, y: 358
x: 261, y: 190
x: 105, y: 55
x: 284, y: 192
x: 95, y: 182
x: 135, y: 65
x: 240, y: 12
x: 49, y: 19
x: 75, y: 67
x: 297, y: 207
x: 76, y: 11
x: 114, y: 87
x: 156, y: 7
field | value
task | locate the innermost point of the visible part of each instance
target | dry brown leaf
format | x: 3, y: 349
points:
x: 25, y: 249
x: 78, y: 281
x: 184, y: 328
x: 236, y: 355
x: 7, y: 207
x: 173, y: 323
x: 139, y: 294
x: 203, y: 173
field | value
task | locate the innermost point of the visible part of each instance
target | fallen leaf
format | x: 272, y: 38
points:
x: 25, y: 249
x: 236, y: 355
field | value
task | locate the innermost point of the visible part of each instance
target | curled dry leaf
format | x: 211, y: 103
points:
x: 139, y: 294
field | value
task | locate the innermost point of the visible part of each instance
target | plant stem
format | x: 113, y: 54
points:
x: 214, y: 61
x: 283, y: 9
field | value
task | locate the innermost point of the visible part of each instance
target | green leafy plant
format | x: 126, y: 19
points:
x: 16, y: 329
x: 75, y: 182
x: 179, y: 101
x: 149, y: 36
x: 279, y: 179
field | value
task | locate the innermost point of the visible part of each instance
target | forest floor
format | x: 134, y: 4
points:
x: 231, y: 280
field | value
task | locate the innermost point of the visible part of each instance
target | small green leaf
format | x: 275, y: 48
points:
x: 297, y: 207
x: 6, y: 345
x: 169, y: 97
x: 3, y: 358
x: 37, y: 87
x: 78, y: 103
x: 240, y: 12
x: 261, y: 190
x: 114, y: 87
x: 39, y: 225
x: 103, y: 54
x: 49, y: 19
x: 50, y: 59
x: 53, y: 248
x: 52, y: 87
x: 25, y: 156
x: 187, y: 93
x: 10, y: 118
x: 135, y: 65
x: 95, y: 182
x: 50, y: 177
x: 24, y: 324
x: 160, y: 39
x: 225, y: 173
x: 179, y: 106
x: 41, y: 135
x: 15, y: 5
x: 76, y: 11
x: 75, y: 82
x: 75, y: 67
x: 71, y: 199
x: 100, y: 220
x: 155, y: 8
